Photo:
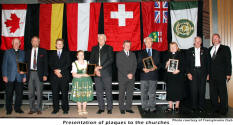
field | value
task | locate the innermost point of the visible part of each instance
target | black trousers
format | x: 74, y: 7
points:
x: 104, y: 84
x: 60, y: 85
x: 10, y: 88
x: 198, y: 89
x: 218, y: 89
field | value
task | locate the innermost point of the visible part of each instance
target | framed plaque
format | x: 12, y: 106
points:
x: 91, y: 69
x: 22, y: 67
x: 148, y: 62
x: 173, y: 65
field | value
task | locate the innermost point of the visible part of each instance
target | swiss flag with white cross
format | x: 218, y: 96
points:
x: 122, y: 22
x: 13, y: 24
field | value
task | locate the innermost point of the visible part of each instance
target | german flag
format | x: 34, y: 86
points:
x: 50, y: 24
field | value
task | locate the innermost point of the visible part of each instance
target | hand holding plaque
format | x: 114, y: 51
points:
x: 22, y: 68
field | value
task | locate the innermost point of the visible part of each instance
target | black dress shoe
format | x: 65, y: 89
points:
x: 99, y: 111
x: 122, y: 111
x: 169, y: 110
x: 145, y: 111
x: 54, y: 112
x: 39, y: 112
x: 65, y: 112
x: 109, y: 111
x: 130, y: 111
x: 19, y: 111
x: 31, y: 112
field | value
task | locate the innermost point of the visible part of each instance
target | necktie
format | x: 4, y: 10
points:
x: 149, y: 53
x: 214, y: 54
x: 59, y: 54
x: 34, y: 60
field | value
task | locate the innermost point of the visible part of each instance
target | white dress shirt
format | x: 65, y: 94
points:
x: 59, y: 51
x: 127, y: 53
x: 214, y: 48
x: 197, y: 57
x: 32, y: 57
x: 100, y: 47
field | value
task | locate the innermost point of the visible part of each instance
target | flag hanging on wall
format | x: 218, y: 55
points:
x: 82, y: 25
x: 50, y: 25
x: 184, y: 16
x: 13, y: 24
x: 122, y: 22
x: 155, y: 18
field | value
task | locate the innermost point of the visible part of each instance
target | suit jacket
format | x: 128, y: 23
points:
x: 153, y: 75
x: 125, y: 65
x: 63, y: 64
x: 221, y: 66
x: 204, y: 57
x: 9, y: 65
x: 42, y: 63
x: 106, y: 57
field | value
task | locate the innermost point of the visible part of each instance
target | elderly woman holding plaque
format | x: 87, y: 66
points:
x: 82, y: 87
x: 174, y: 76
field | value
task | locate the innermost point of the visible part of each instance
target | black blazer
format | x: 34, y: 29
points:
x: 42, y: 63
x: 204, y: 57
x: 221, y: 66
x: 125, y: 65
x: 63, y: 64
x: 106, y: 57
x: 153, y: 75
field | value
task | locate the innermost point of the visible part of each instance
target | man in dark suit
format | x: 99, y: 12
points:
x: 37, y: 61
x: 14, y: 80
x: 102, y: 55
x: 59, y: 62
x: 198, y: 64
x: 220, y: 74
x: 126, y: 63
x: 148, y: 77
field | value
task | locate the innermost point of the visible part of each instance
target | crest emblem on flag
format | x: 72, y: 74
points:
x: 156, y: 36
x: 183, y: 28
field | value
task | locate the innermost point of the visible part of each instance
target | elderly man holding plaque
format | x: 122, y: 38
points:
x: 13, y: 76
x: 37, y: 61
x: 102, y: 56
x: 198, y: 65
x: 174, y: 76
x: 126, y: 63
x: 148, y: 64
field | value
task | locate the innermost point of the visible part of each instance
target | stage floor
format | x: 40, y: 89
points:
x: 160, y: 113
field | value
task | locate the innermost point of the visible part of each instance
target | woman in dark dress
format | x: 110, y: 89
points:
x: 174, y: 79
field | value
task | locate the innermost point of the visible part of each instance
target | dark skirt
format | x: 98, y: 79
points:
x: 175, y: 87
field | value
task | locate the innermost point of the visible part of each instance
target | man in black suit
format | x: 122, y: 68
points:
x: 102, y: 55
x: 220, y: 74
x: 59, y: 62
x: 148, y: 77
x: 126, y: 63
x: 198, y: 62
x: 37, y: 61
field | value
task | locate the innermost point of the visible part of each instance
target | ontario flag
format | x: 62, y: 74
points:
x: 13, y: 24
x: 122, y: 22
x: 82, y: 25
x: 155, y: 18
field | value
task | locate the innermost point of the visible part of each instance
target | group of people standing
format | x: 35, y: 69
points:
x: 200, y: 64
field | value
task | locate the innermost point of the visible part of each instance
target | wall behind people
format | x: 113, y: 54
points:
x: 221, y: 22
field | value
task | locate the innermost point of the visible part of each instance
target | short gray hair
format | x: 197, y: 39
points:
x: 148, y: 38
x: 197, y: 37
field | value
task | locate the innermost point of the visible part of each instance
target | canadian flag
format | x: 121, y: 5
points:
x: 13, y: 24
x: 82, y: 25
x: 122, y: 22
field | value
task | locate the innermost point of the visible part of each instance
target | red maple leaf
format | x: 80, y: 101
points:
x: 13, y: 23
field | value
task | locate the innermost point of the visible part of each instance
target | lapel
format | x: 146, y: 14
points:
x: 219, y: 50
x: 145, y: 53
